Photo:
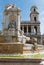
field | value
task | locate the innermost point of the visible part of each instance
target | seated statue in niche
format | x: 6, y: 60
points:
x: 12, y: 28
x: 12, y: 24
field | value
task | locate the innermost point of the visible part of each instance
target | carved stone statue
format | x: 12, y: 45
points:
x: 12, y: 24
x: 35, y: 45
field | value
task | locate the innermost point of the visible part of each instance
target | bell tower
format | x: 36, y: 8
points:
x: 34, y: 20
x: 35, y: 23
x: 34, y: 14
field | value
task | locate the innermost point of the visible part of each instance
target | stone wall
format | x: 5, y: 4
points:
x: 2, y: 39
x: 9, y: 48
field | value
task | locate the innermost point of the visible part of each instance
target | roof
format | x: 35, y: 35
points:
x: 33, y: 7
x: 29, y: 22
x: 25, y: 22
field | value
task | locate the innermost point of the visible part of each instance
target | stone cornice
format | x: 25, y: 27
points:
x: 10, y: 10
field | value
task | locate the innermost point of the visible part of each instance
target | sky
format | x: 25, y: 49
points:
x: 25, y: 6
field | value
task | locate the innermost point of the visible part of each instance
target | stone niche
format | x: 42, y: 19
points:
x: 11, y: 48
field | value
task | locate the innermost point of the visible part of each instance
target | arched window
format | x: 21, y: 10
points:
x: 34, y: 18
x: 34, y: 9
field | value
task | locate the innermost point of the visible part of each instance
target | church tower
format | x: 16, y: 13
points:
x: 34, y: 14
x: 35, y: 24
x: 34, y: 19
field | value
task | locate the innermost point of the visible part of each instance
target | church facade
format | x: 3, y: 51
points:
x: 12, y: 23
x: 32, y: 28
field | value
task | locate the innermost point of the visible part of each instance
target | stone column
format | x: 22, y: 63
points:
x: 4, y: 22
x: 23, y: 28
x: 41, y: 39
x: 18, y: 24
x: 38, y: 33
x: 27, y: 29
x: 38, y: 30
x: 32, y: 30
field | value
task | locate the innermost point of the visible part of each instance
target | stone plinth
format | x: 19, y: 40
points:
x: 10, y: 48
